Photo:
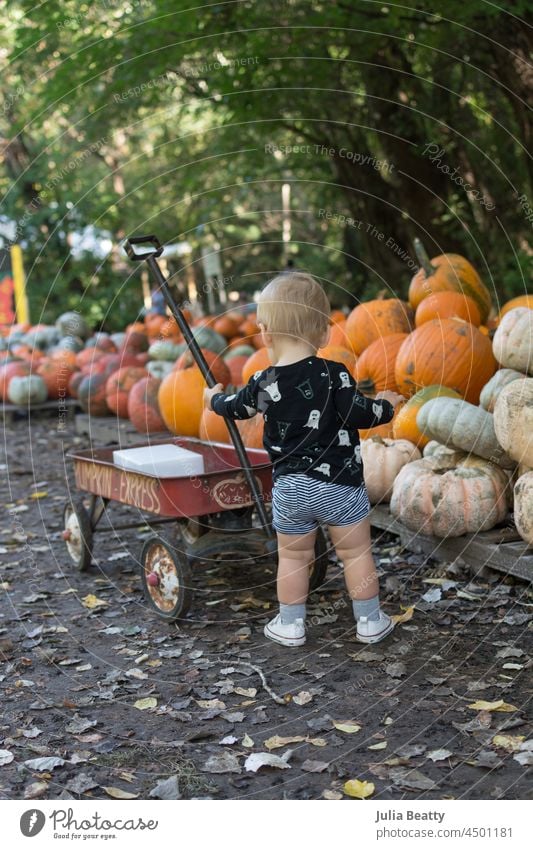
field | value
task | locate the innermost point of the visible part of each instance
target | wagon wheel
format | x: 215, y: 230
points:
x: 166, y: 578
x: 318, y: 568
x: 78, y: 534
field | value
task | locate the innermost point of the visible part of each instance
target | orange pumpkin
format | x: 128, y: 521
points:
x: 252, y: 430
x: 257, y: 362
x: 16, y: 368
x: 447, y: 305
x: 56, y: 373
x: 64, y: 356
x: 338, y: 335
x: 404, y: 424
x: 89, y: 356
x: 213, y: 428
x: 520, y: 301
x: 236, y: 365
x: 339, y: 355
x: 143, y: 409
x: 74, y: 382
x: 374, y: 371
x: 236, y: 341
x: 136, y: 327
x: 225, y: 326
x: 384, y: 431
x: 170, y: 330
x: 180, y: 399
x: 154, y: 323
x: 134, y: 343
x: 337, y: 317
x: 448, y: 273
x: 374, y: 319
x: 217, y: 366
x: 118, y: 388
x: 449, y: 352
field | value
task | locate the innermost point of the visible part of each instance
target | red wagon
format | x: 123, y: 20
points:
x: 212, y: 514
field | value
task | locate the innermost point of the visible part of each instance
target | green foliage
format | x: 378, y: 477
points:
x: 152, y: 115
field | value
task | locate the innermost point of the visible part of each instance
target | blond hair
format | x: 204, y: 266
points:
x: 295, y: 304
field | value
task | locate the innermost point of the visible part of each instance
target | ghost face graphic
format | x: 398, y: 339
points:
x: 345, y: 379
x: 377, y: 409
x: 344, y: 437
x: 273, y: 391
x: 357, y: 454
x: 306, y: 389
x: 283, y: 428
x: 313, y: 420
x: 324, y: 469
x: 349, y: 466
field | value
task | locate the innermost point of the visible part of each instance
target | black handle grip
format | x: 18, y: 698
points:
x: 143, y: 240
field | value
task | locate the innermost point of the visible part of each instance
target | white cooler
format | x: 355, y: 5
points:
x: 162, y: 461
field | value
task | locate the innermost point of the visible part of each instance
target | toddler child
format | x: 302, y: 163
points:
x: 311, y: 409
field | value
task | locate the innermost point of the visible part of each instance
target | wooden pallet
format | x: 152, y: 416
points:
x: 501, y: 548
x: 64, y: 409
x: 108, y: 430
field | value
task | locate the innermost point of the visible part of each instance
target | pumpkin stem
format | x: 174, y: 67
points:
x: 422, y: 257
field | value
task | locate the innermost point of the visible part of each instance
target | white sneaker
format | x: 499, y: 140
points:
x: 285, y: 635
x: 374, y: 630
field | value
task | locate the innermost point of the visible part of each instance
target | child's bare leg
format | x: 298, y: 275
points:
x: 354, y: 547
x: 295, y: 554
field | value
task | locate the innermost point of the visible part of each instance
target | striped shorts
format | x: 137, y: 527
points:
x: 300, y: 503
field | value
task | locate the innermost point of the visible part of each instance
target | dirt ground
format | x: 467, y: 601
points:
x: 127, y: 704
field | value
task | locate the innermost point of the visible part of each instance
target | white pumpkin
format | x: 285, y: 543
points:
x: 523, y: 506
x: 24, y: 391
x: 513, y: 341
x: 382, y: 460
x: 513, y: 420
x: 437, y: 449
x: 465, y: 427
x: 438, y: 498
x: 491, y: 390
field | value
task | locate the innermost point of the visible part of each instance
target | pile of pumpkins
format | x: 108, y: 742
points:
x: 458, y: 453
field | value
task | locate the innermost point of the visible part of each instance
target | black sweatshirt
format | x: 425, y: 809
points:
x: 312, y: 410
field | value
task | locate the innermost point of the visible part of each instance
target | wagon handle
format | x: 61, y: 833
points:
x: 157, y: 274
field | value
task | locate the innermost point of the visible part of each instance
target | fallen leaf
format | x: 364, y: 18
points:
x: 314, y: 766
x: 42, y: 494
x: 35, y: 790
x: 486, y: 759
x: 117, y: 793
x: 359, y: 789
x: 439, y: 755
x: 499, y: 705
x: 82, y: 783
x: 79, y: 724
x: 378, y: 746
x: 509, y: 651
x: 433, y: 595
x: 228, y: 741
x: 120, y: 555
x: 277, y: 742
x: 302, y: 698
x: 44, y: 764
x: 210, y: 704
x: 145, y: 704
x: 411, y: 750
x: 261, y: 759
x: 5, y: 757
x: 167, y: 789
x: 224, y: 762
x: 332, y: 794
x: 411, y: 778
x: 92, y: 602
x: 508, y: 742
x: 249, y: 692
x: 396, y: 670
x: 524, y: 758
x: 247, y: 742
x: 403, y: 617
x: 347, y: 727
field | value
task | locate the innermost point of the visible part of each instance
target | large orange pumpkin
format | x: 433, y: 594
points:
x: 257, y: 362
x: 16, y: 368
x: 154, y: 323
x: 374, y: 319
x: 180, y: 400
x: 213, y: 428
x: 143, y: 408
x: 448, y: 273
x: 404, y: 424
x: 56, y: 373
x: 447, y: 305
x: 374, y: 371
x: 226, y: 326
x: 337, y: 317
x: 118, y: 388
x: 449, y: 352
x: 236, y: 365
x: 339, y: 355
x: 219, y: 369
